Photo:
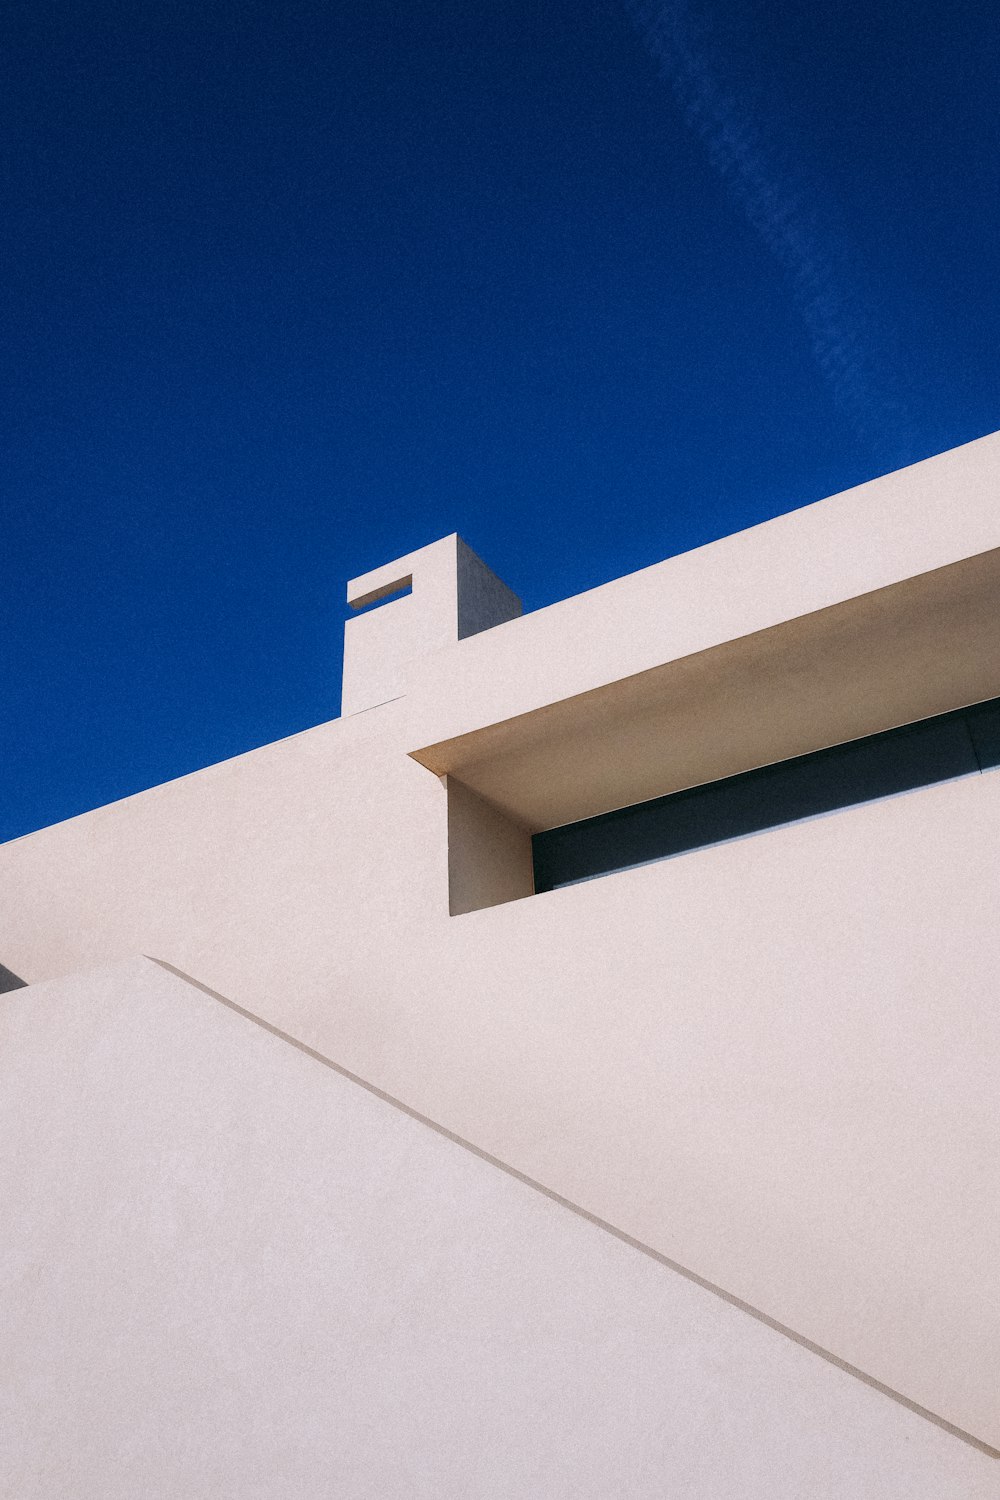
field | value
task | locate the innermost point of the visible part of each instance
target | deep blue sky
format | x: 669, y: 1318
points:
x: 292, y: 288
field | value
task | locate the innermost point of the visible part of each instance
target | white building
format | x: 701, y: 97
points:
x: 337, y: 1161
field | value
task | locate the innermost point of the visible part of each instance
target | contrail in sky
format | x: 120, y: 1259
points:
x: 779, y: 210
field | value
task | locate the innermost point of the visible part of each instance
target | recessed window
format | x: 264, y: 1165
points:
x: 881, y: 765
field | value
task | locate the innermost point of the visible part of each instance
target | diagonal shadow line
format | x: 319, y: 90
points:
x: 583, y: 1213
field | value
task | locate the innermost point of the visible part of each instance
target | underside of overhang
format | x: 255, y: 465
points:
x: 921, y: 647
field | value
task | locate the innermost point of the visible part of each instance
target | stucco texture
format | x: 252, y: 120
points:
x: 229, y: 1272
x: 775, y: 1062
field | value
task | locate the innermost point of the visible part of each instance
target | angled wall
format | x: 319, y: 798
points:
x: 774, y: 1061
x: 246, y: 1276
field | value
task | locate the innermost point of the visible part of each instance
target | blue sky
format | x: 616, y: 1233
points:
x: 289, y: 290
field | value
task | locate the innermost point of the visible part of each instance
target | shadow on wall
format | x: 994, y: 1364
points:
x: 9, y: 981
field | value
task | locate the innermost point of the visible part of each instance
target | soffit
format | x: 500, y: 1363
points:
x: 886, y: 658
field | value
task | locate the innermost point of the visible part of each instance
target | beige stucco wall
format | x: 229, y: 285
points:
x: 231, y: 1273
x: 775, y: 1062
x: 453, y: 595
x: 896, y: 527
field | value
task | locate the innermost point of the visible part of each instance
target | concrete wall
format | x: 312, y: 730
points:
x: 775, y: 1062
x: 248, y: 1277
x: 869, y: 538
x: 452, y: 595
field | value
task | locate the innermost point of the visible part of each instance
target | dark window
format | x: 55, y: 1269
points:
x: 899, y: 760
x: 984, y: 726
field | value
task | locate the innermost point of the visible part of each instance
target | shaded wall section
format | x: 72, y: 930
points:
x: 881, y: 765
x: 9, y: 981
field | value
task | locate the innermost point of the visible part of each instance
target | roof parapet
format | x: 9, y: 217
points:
x: 446, y: 592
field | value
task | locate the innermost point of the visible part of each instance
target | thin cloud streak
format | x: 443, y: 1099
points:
x: 779, y: 211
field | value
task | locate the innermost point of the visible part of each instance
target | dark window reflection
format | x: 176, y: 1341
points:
x: 898, y: 761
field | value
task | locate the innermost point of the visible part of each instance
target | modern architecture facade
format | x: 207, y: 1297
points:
x: 573, y: 1071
